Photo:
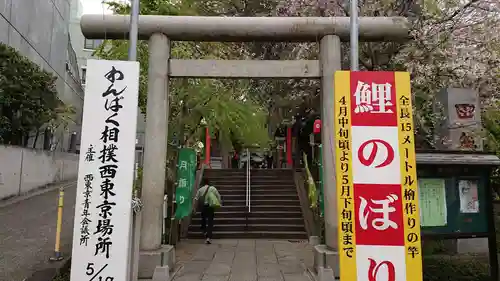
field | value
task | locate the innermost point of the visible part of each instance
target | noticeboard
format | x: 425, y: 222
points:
x: 453, y: 203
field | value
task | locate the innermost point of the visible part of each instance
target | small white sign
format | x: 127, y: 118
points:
x: 468, y: 194
x: 103, y: 212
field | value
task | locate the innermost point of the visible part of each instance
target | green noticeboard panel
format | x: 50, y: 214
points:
x: 453, y: 205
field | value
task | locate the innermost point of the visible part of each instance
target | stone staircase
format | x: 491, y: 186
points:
x: 275, y: 207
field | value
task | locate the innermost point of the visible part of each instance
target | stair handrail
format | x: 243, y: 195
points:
x: 247, y: 187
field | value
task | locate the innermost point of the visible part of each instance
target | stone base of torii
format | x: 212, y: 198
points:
x: 161, y: 30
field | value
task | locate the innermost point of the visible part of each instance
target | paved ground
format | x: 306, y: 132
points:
x: 243, y: 260
x: 27, y: 233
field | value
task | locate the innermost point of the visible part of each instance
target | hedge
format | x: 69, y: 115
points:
x: 456, y: 268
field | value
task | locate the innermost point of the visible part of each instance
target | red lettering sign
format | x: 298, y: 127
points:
x: 379, y: 214
x: 374, y: 269
x: 373, y: 99
x: 374, y: 152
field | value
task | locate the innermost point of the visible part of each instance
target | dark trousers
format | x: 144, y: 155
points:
x: 234, y: 163
x: 207, y: 220
x: 269, y: 163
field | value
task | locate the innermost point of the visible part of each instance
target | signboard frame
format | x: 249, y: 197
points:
x: 103, y: 209
x: 454, y: 229
x: 373, y: 111
x: 466, y: 170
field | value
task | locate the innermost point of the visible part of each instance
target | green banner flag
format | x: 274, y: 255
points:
x: 186, y: 174
x: 321, y: 199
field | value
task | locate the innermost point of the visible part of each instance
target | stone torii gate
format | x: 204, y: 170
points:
x: 161, y: 30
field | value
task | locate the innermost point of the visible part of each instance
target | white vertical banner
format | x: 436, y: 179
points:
x: 102, y: 228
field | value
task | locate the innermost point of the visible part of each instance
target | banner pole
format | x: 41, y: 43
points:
x: 354, y: 36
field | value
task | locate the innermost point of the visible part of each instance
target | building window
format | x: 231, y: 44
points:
x: 91, y: 44
x: 84, y: 75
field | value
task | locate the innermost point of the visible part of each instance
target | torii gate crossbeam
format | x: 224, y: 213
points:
x: 245, y: 29
x: 160, y: 30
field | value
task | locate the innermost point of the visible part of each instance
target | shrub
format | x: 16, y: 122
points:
x: 456, y: 268
x: 28, y: 97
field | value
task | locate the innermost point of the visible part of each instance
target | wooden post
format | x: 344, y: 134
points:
x: 207, y: 146
x: 289, y: 161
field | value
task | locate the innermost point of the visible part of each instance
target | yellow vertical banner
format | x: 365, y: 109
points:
x: 343, y: 170
x: 411, y: 214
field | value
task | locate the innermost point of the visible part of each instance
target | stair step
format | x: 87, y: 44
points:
x: 258, y: 202
x: 254, y: 186
x: 228, y: 171
x: 259, y: 191
x: 231, y: 197
x: 260, y: 208
x: 252, y: 220
x: 243, y: 170
x: 252, y: 234
x: 252, y: 178
x: 229, y: 179
x: 252, y: 175
x: 252, y: 227
x: 257, y: 214
x: 243, y: 175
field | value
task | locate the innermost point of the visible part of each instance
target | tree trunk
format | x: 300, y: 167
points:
x: 25, y: 139
x: 37, y: 134
x: 182, y: 127
x: 46, y: 139
x: 225, y: 153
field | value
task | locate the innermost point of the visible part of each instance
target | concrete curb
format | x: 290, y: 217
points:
x: 39, y: 191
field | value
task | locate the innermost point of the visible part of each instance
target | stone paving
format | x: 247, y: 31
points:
x: 243, y: 260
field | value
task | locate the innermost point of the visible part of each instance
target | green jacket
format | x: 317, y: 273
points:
x: 212, y: 190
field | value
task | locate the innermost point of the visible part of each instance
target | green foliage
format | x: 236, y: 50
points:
x: 440, y: 264
x: 137, y: 188
x: 312, y: 193
x: 28, y: 97
x: 226, y: 109
x: 433, y: 247
x: 227, y: 106
x: 496, y: 213
x: 456, y: 268
x: 492, y: 128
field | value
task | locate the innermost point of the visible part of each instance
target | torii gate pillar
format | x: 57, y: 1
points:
x: 159, y: 30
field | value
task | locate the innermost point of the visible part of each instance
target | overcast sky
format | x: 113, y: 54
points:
x: 94, y: 7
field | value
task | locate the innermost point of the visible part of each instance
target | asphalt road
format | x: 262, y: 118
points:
x: 27, y: 233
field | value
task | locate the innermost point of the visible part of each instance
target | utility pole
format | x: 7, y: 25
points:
x: 354, y: 36
x: 132, y: 53
x: 135, y: 220
x: 134, y: 21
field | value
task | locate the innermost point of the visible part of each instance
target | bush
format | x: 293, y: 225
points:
x: 28, y: 97
x: 456, y: 268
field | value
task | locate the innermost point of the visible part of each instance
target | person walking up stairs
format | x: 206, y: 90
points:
x: 208, y: 199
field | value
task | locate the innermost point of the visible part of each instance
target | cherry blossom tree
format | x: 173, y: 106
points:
x: 454, y: 43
